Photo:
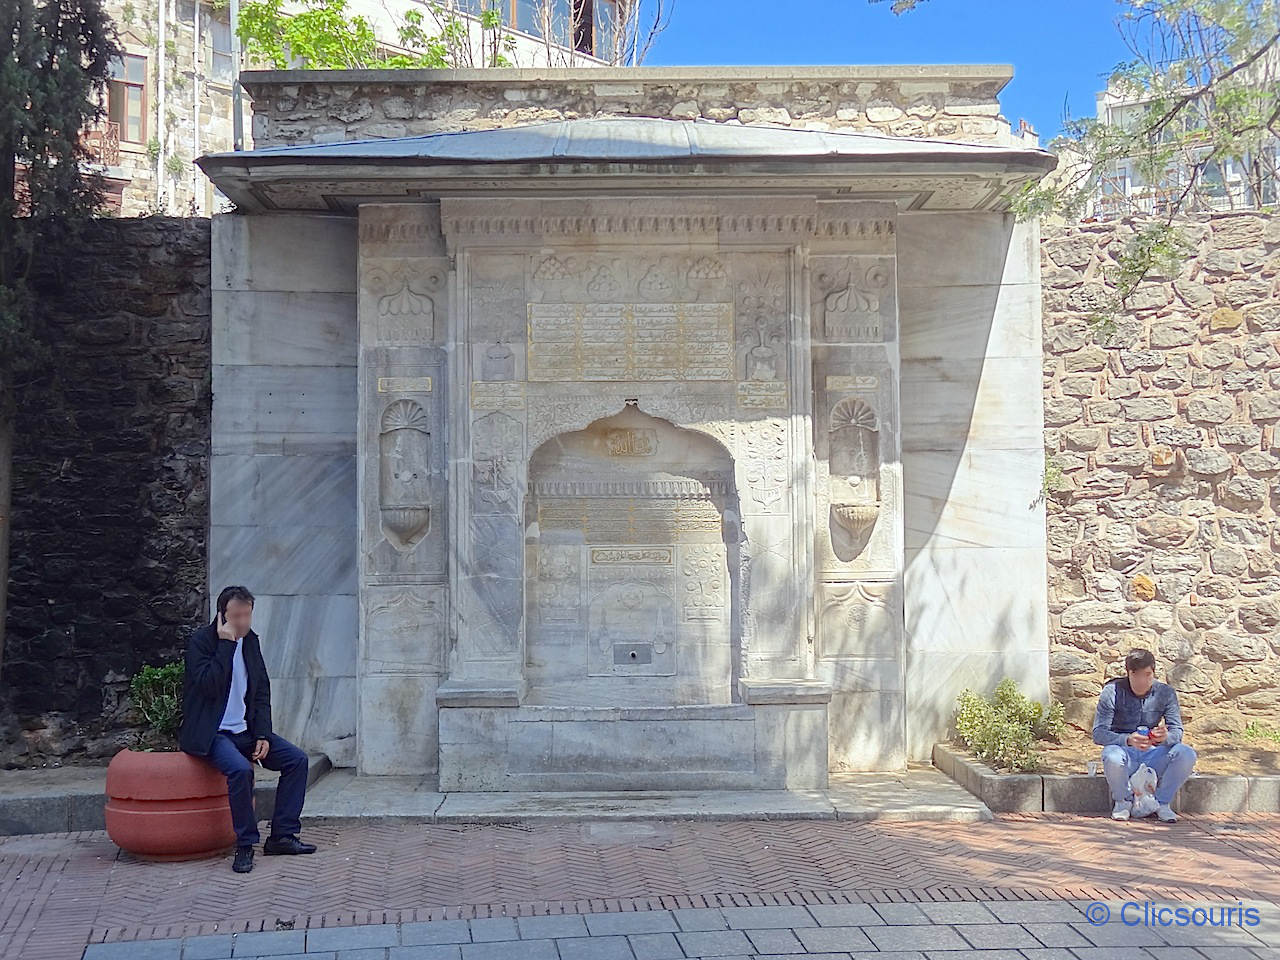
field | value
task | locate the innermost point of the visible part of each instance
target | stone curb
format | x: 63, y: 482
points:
x: 1054, y: 793
x: 80, y: 807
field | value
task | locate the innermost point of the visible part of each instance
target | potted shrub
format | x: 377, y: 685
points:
x: 161, y: 803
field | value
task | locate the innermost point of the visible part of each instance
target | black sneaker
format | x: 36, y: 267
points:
x: 243, y: 862
x: 289, y: 846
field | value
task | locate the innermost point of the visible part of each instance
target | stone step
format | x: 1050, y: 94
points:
x: 919, y: 793
x: 60, y: 799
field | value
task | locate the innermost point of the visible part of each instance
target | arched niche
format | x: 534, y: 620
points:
x: 631, y: 566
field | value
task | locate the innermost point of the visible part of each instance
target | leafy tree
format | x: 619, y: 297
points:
x: 1205, y: 79
x: 324, y: 34
x: 55, y: 58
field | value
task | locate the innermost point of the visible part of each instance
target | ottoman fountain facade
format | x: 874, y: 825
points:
x: 638, y: 412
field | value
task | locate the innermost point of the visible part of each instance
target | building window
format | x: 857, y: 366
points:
x: 529, y: 15
x: 222, y: 67
x: 127, y: 97
x: 584, y: 21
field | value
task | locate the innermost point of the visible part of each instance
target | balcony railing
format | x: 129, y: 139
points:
x: 103, y: 143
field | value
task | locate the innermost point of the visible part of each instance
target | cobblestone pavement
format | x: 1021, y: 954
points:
x: 59, y: 892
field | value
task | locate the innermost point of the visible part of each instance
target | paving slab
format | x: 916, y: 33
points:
x: 635, y: 805
x: 921, y: 793
x: 899, y: 928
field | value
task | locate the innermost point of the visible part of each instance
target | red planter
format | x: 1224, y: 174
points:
x: 167, y: 806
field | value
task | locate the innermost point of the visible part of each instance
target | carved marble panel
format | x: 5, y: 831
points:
x: 630, y: 341
x: 769, y: 587
x: 643, y: 276
x: 496, y: 296
x: 497, y: 457
x: 853, y: 299
x: 859, y: 620
x: 558, y: 593
x: 404, y: 473
x: 403, y: 466
x: 765, y: 466
x: 704, y: 587
x: 403, y: 301
x: 762, y: 316
x: 633, y: 626
x: 693, y: 335
x: 400, y: 230
x: 404, y: 629
x: 628, y: 573
x: 853, y: 481
x: 858, y: 521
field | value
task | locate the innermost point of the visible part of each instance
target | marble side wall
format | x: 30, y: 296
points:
x: 282, y: 474
x: 973, y: 460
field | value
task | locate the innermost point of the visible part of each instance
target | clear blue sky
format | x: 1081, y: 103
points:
x: 1060, y: 49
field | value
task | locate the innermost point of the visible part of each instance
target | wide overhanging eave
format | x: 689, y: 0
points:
x: 251, y: 180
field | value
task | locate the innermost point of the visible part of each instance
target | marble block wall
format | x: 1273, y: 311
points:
x: 973, y: 461
x: 858, y: 501
x: 283, y: 469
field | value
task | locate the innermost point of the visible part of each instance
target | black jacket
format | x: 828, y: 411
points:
x: 207, y: 683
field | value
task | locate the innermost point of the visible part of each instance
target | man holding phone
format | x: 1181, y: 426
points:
x: 1138, y: 721
x: 226, y: 721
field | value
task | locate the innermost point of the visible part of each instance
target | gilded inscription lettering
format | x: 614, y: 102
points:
x: 630, y: 341
x: 404, y: 384
x: 658, y: 555
x: 629, y: 442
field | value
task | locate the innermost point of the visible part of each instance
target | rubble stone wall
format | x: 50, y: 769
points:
x: 1162, y: 438
x: 110, y: 487
x: 949, y: 103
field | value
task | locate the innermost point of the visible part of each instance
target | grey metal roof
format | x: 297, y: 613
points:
x: 628, y: 139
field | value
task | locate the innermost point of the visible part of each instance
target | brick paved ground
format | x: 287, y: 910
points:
x: 59, y: 892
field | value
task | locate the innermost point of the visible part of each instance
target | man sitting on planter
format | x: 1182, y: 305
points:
x: 1137, y: 722
x: 226, y: 720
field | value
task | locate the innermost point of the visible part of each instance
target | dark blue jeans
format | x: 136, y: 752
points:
x: 230, y: 754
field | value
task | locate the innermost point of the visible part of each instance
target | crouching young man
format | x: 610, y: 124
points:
x: 1127, y: 707
x: 226, y: 721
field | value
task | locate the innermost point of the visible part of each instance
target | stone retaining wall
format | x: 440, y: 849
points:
x: 1163, y: 463
x: 110, y: 491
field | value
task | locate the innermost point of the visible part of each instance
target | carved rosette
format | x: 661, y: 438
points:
x: 404, y: 461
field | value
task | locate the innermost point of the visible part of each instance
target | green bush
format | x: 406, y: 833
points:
x: 1002, y: 729
x: 156, y: 693
x: 1257, y: 730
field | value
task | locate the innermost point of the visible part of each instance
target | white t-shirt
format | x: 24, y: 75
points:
x: 233, y: 714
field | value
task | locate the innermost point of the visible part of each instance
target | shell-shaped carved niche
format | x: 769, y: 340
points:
x: 404, y: 480
x: 854, y: 459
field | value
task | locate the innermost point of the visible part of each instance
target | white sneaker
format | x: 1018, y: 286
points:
x: 1120, y: 811
x: 1166, y: 813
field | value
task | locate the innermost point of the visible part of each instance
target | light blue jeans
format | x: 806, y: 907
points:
x: 1172, y: 766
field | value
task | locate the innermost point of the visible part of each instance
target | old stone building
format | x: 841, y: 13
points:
x: 171, y: 99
